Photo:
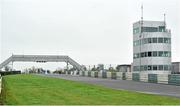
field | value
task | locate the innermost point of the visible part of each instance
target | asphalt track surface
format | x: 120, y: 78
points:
x: 150, y: 88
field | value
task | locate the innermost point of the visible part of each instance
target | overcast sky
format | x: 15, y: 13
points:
x: 89, y: 31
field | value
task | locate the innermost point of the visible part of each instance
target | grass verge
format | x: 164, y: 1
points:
x: 39, y: 90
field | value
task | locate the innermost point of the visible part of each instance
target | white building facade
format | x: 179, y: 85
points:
x: 151, y: 47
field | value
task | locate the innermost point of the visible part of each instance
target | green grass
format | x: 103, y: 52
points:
x: 33, y: 89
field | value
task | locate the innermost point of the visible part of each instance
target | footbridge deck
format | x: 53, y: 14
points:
x: 41, y: 58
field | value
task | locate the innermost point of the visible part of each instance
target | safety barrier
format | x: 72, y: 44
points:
x: 152, y: 78
x: 104, y: 75
x: 135, y: 77
x: 89, y: 73
x: 96, y: 74
x: 173, y: 79
x: 113, y: 75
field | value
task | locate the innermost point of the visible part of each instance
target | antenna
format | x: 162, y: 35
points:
x: 142, y: 12
x: 141, y: 35
x: 165, y: 20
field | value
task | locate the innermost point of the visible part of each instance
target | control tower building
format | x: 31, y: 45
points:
x: 151, y: 47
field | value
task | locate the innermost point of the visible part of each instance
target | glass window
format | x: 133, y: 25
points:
x: 169, y: 54
x: 166, y: 40
x: 135, y: 30
x: 145, y: 41
x: 138, y: 55
x: 169, y: 40
x: 154, y: 53
x: 165, y: 67
x: 134, y: 56
x: 139, y: 42
x: 161, y: 28
x: 149, y: 40
x: 166, y: 53
x: 146, y: 54
x: 154, y: 67
x: 161, y: 54
x: 145, y: 67
x: 169, y: 67
x: 149, y: 67
x: 154, y: 40
x: 160, y: 40
x: 149, y: 54
x: 160, y: 67
x: 149, y: 29
x: 142, y: 68
x: 143, y: 54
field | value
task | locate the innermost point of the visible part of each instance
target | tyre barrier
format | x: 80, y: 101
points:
x: 83, y: 73
x: 104, y: 75
x: 113, y: 75
x: 174, y: 79
x: 152, y: 78
x: 123, y: 76
x: 89, y: 73
x: 135, y: 77
x: 96, y: 74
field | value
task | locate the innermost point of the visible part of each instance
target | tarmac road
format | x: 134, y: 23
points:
x: 160, y: 89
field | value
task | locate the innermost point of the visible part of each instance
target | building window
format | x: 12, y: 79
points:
x: 149, y: 67
x: 135, y: 30
x: 166, y: 53
x: 169, y: 40
x: 160, y: 40
x: 149, y: 29
x: 154, y: 53
x: 149, y: 40
x: 149, y: 54
x: 155, y: 67
x: 161, y: 28
x: 166, y: 40
x: 142, y: 68
x: 145, y: 67
x: 166, y: 67
x: 160, y: 67
x: 154, y: 40
x: 161, y: 54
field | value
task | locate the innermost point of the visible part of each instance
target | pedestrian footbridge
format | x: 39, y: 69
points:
x: 41, y: 58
